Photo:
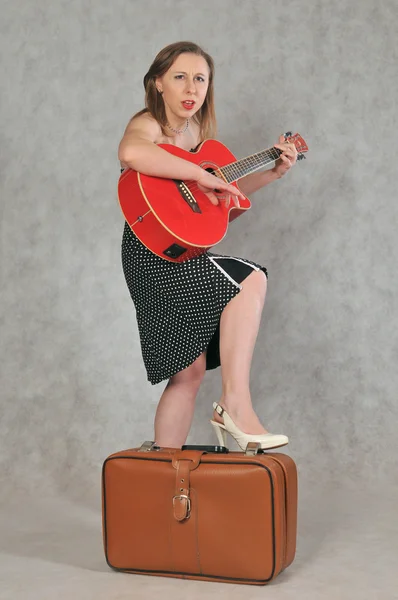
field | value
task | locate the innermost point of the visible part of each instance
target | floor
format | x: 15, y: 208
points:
x: 347, y: 548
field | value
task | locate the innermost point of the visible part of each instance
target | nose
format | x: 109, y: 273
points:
x: 191, y: 88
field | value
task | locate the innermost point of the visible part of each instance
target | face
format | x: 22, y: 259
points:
x: 184, y: 86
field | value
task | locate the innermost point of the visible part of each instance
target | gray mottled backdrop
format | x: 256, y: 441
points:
x: 325, y: 368
x: 73, y: 386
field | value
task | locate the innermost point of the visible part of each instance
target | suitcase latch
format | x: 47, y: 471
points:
x: 252, y: 448
x: 148, y: 447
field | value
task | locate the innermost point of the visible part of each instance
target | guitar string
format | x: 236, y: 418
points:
x: 238, y: 169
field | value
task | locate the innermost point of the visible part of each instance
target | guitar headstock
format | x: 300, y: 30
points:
x: 299, y: 142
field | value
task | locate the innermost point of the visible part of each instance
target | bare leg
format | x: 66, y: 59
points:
x: 239, y: 326
x: 176, y: 406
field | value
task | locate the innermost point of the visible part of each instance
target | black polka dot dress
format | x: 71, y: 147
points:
x: 179, y: 305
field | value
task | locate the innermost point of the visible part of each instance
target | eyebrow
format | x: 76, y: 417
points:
x: 184, y: 73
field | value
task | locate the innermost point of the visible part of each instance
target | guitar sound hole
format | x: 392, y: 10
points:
x: 211, y: 170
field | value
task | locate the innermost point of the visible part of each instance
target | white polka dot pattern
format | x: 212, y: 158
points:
x: 178, y: 305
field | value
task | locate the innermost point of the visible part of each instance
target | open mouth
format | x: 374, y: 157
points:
x: 188, y: 104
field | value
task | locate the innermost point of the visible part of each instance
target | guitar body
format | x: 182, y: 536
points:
x: 174, y: 219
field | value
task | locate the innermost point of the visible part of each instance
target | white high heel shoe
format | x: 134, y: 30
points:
x: 267, y: 440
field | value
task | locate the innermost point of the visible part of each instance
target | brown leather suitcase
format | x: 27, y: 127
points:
x: 228, y: 517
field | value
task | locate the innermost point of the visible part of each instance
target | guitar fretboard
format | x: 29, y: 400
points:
x: 250, y: 164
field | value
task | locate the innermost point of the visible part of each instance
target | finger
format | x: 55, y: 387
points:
x: 287, y: 152
x: 238, y: 194
x: 292, y: 148
x: 285, y: 145
x: 234, y: 191
x: 292, y: 151
x: 290, y: 154
x: 280, y: 147
x: 213, y: 198
x: 234, y: 199
x: 286, y: 160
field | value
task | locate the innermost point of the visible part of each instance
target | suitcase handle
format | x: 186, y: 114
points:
x: 252, y: 449
x: 150, y: 446
x: 206, y: 448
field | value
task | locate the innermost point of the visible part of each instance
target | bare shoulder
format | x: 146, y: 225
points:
x: 143, y: 126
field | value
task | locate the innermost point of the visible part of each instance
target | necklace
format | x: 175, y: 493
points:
x: 179, y: 130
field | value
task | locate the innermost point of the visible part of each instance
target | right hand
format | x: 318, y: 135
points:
x: 208, y: 182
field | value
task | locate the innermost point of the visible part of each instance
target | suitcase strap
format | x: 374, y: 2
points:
x: 184, y: 462
x: 181, y: 500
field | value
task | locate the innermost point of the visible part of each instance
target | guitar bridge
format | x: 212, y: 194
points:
x: 187, y: 195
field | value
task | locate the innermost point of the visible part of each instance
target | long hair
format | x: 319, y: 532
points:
x: 205, y: 117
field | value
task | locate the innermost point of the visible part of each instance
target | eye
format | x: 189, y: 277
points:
x: 201, y: 79
x: 179, y: 76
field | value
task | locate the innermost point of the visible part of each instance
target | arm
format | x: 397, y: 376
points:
x: 138, y: 150
x: 255, y: 181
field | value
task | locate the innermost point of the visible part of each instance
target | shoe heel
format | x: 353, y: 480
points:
x: 220, y: 433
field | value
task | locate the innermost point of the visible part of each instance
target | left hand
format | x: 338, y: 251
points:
x: 287, y: 159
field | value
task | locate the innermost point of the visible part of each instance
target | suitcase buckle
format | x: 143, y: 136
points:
x: 187, y: 498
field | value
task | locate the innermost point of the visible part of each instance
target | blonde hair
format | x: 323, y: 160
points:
x: 205, y: 117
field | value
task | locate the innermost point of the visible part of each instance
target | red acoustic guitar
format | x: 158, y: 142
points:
x: 173, y: 218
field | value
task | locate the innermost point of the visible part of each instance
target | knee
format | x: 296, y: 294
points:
x: 192, y: 376
x: 196, y: 371
x: 262, y: 281
x: 257, y: 281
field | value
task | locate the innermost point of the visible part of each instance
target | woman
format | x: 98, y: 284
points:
x: 206, y: 311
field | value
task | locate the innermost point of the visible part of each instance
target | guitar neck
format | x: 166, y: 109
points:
x: 250, y: 164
